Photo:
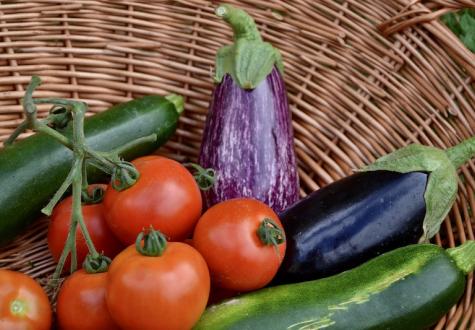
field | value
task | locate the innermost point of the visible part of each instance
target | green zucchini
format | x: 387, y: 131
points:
x: 408, y: 288
x: 33, y: 169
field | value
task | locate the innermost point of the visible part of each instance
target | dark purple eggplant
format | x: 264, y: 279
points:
x: 400, y: 199
x: 351, y: 221
x: 248, y: 137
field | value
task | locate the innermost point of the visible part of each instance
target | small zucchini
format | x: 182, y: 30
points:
x: 408, y: 288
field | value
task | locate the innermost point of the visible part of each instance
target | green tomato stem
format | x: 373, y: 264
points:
x: 154, y: 243
x: 95, y: 197
x: 48, y: 209
x: 70, y: 241
x: 126, y: 173
x: 96, y: 264
x: 20, y: 129
x: 205, y: 178
x: 28, y: 104
x: 270, y: 233
x: 462, y: 152
x: 42, y: 128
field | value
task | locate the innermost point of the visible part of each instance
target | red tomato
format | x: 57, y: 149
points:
x: 227, y: 237
x: 23, y: 303
x: 81, y: 303
x: 165, y: 196
x: 158, y: 292
x: 93, y: 214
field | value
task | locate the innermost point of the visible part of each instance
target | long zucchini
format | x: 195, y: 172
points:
x: 409, y: 288
x: 32, y: 170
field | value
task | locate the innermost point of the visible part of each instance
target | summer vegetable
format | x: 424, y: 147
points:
x: 400, y: 199
x: 408, y: 288
x: 243, y: 243
x: 81, y: 303
x: 23, y: 303
x: 94, y: 219
x: 157, y: 285
x: 248, y: 137
x: 123, y: 173
x: 165, y: 196
x: 33, y: 169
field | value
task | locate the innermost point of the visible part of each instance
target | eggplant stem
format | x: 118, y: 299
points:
x: 462, y: 152
x: 242, y: 24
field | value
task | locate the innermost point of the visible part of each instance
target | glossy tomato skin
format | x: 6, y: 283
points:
x: 226, y: 236
x: 81, y: 303
x: 94, y: 218
x: 23, y: 303
x: 165, y: 292
x: 165, y: 196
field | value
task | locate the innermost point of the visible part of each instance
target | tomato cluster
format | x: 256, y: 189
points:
x: 167, y: 255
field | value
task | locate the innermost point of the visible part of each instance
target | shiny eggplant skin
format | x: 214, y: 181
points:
x: 248, y: 141
x: 351, y: 221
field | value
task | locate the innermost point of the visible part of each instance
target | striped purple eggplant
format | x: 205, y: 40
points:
x: 248, y: 137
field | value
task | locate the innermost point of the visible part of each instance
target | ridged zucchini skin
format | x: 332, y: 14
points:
x: 32, y: 170
x: 408, y: 288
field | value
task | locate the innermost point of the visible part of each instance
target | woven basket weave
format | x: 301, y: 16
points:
x: 365, y: 77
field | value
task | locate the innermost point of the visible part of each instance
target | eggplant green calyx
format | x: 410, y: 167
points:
x: 464, y: 256
x: 98, y: 263
x: 441, y: 165
x: 462, y: 152
x: 249, y: 60
x: 154, y: 243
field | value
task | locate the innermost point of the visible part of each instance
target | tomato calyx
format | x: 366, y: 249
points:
x: 18, y: 307
x: 98, y: 263
x: 270, y: 233
x: 154, y: 243
x: 204, y: 177
x: 124, y: 175
x: 92, y: 197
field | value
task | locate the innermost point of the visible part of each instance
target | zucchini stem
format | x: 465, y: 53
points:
x: 462, y: 152
x: 464, y: 256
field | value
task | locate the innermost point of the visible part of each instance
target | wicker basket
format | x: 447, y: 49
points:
x: 364, y: 78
